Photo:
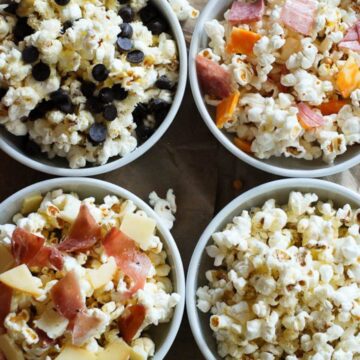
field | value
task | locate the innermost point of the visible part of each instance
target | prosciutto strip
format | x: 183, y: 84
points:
x: 85, y: 327
x: 48, y: 257
x: 351, y: 35
x: 29, y: 249
x: 351, y: 40
x: 130, y: 321
x: 299, y: 15
x: 308, y: 118
x: 84, y: 233
x: 244, y: 13
x: 132, y: 262
x: 25, y: 246
x: 350, y: 45
x: 5, y: 303
x: 66, y: 296
x: 214, y: 79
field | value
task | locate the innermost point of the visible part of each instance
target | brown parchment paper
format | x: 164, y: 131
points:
x: 190, y: 160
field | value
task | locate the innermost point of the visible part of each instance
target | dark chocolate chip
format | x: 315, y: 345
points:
x: 157, y: 26
x: 140, y: 113
x: 12, y: 8
x: 143, y: 133
x: 94, y: 105
x: 62, y: 2
x: 67, y: 25
x: 110, y: 112
x: 100, y: 72
x: 67, y: 107
x: 22, y: 29
x: 164, y: 83
x: 119, y: 92
x: 97, y: 133
x: 159, y: 108
x: 30, y: 54
x: 59, y: 96
x: 135, y: 57
x: 88, y: 88
x: 148, y: 13
x: 124, y: 44
x: 127, y: 14
x: 106, y: 95
x: 41, y: 71
x: 126, y: 30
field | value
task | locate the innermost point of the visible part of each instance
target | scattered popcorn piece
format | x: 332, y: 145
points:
x: 165, y: 208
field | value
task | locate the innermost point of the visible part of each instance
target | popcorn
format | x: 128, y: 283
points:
x: 294, y: 282
x: 72, y: 39
x: 306, y: 67
x: 34, y: 308
x: 165, y: 208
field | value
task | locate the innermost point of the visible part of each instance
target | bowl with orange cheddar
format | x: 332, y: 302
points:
x: 87, y: 272
x: 278, y: 82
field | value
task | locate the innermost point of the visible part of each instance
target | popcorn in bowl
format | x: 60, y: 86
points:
x: 81, y: 279
x: 276, y: 74
x: 285, y: 282
x: 85, y: 80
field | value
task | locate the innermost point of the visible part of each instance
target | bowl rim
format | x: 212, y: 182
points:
x: 142, y: 149
x: 220, y: 135
x: 192, y: 312
x: 178, y: 270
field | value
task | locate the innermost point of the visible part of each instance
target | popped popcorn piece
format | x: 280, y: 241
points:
x: 165, y: 208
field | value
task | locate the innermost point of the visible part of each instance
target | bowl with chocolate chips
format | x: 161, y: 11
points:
x: 86, y: 88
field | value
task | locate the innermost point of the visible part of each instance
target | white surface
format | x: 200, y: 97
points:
x: 201, y: 262
x: 163, y: 335
x: 279, y: 166
x: 51, y: 167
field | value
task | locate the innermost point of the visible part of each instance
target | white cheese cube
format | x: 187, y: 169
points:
x: 21, y: 279
x: 71, y: 208
x: 52, y: 323
x: 101, y: 276
x: 72, y: 353
x: 31, y: 203
x: 139, y: 228
x: 118, y: 350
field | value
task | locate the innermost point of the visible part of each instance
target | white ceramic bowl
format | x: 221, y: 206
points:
x: 164, y: 334
x: 280, y: 166
x: 59, y: 167
x: 201, y: 262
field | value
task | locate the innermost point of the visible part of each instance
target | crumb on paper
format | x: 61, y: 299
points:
x: 165, y: 208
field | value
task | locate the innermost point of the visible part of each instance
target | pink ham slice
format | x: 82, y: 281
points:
x: 132, y: 262
x: 246, y: 12
x: 5, y: 303
x: 84, y: 233
x: 299, y: 15
x: 85, y: 327
x: 48, y: 257
x: 309, y: 119
x: 66, y: 296
x: 25, y: 246
x: 29, y: 249
x: 214, y: 79
x: 351, y: 39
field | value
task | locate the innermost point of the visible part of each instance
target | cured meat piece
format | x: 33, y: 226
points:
x: 5, y: 303
x: 299, y: 15
x: 130, y: 321
x: 48, y: 257
x: 350, y: 45
x: 351, y: 34
x: 308, y: 118
x: 85, y: 327
x: 25, y: 245
x: 214, y: 79
x: 132, y: 262
x: 246, y: 12
x: 84, y: 233
x: 66, y: 296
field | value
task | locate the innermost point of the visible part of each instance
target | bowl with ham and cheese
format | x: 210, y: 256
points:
x: 87, y: 272
x: 277, y: 82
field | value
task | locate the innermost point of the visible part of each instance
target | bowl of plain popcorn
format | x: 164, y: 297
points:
x: 277, y: 82
x: 87, y: 271
x: 276, y: 275
x: 88, y: 86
